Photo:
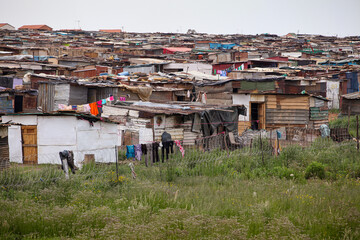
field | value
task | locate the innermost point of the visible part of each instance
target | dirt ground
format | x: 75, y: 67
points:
x: 333, y: 116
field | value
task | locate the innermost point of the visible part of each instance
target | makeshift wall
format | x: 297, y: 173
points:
x: 136, y: 129
x: 78, y: 95
x: 186, y: 67
x: 6, y: 104
x: 332, y: 93
x: 287, y: 110
x: 142, y: 69
x: 15, y: 144
x: 99, y: 140
x: 61, y: 95
x: 224, y: 98
x: 353, y: 104
x: 244, y: 121
x: 58, y: 133
x: 169, y: 124
x: 55, y: 134
x: 46, y: 97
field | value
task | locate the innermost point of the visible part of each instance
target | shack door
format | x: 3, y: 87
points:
x: 29, y: 145
x: 261, y: 113
x: 257, y: 113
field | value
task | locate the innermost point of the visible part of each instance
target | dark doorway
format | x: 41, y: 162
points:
x: 254, y: 116
x: 180, y: 98
x: 18, y: 104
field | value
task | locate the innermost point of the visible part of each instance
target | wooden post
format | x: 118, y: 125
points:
x: 357, y: 132
x: 348, y: 117
x: 251, y: 144
x: 226, y: 146
x: 262, y: 152
x: 117, y: 166
x: 277, y: 144
x: 270, y: 141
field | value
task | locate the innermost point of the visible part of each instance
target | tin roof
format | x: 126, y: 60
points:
x: 354, y: 95
x: 33, y: 26
x: 110, y: 30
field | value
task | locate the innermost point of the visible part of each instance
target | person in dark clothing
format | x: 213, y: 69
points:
x: 69, y: 156
x: 167, y: 145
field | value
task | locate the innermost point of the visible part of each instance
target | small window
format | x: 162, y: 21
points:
x: 180, y: 98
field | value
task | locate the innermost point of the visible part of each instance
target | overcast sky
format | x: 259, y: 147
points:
x: 327, y: 17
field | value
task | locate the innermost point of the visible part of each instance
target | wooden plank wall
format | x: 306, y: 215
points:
x: 287, y: 110
x: 243, y: 125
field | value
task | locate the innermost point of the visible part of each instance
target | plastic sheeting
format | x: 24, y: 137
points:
x: 212, y: 119
x: 16, y: 57
x: 144, y: 93
x: 221, y: 46
x: 160, y: 105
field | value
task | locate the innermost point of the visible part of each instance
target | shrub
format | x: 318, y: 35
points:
x: 315, y: 169
x: 284, y: 172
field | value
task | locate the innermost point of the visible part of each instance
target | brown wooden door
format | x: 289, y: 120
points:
x: 261, y: 110
x: 29, y: 136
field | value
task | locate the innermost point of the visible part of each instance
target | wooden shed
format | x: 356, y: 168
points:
x: 350, y: 103
x: 275, y: 110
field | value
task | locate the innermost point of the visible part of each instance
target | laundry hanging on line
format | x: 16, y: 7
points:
x: 93, y: 108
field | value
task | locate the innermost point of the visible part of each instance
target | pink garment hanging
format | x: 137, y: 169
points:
x: 182, y: 150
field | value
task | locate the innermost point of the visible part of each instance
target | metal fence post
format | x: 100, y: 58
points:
x: 357, y: 132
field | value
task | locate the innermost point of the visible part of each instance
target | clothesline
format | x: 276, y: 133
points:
x: 151, y: 150
x: 148, y: 142
x: 94, y: 108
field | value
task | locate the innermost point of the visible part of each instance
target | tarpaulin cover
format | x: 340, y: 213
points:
x: 212, y: 119
x: 221, y: 46
x: 144, y: 93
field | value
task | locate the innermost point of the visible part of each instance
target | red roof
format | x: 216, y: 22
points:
x: 172, y: 50
x: 36, y: 27
x: 111, y: 30
x: 3, y: 24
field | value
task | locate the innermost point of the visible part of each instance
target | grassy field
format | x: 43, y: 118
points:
x: 344, y: 122
x: 311, y: 193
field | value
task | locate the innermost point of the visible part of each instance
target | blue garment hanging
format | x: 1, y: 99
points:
x: 130, y: 151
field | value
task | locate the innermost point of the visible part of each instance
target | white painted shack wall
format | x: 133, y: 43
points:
x: 142, y: 69
x: 332, y: 93
x: 145, y: 135
x: 99, y: 140
x: 114, y: 111
x: 242, y: 99
x: 55, y: 134
x: 24, y: 120
x: 15, y: 143
x: 187, y: 67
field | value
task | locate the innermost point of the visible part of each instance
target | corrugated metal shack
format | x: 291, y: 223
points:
x: 350, y: 103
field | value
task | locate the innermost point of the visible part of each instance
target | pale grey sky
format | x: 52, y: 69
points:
x: 327, y: 17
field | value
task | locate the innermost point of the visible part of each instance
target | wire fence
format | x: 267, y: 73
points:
x: 206, y: 155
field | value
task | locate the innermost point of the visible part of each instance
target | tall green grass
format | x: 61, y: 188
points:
x: 344, y: 122
x: 205, y: 195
